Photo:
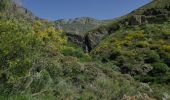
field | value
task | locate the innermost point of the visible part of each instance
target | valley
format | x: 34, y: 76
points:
x: 127, y: 58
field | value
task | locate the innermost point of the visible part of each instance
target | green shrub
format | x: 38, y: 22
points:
x: 165, y: 56
x: 161, y: 68
x: 72, y: 52
x: 166, y: 48
x: 114, y: 54
x: 152, y: 57
x: 18, y: 47
x: 4, y: 4
x: 142, y: 44
x: 166, y: 59
x: 75, y: 52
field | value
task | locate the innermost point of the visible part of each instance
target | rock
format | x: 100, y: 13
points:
x: 137, y: 20
x: 76, y: 39
x: 166, y: 96
x: 139, y: 96
x: 146, y: 86
x: 94, y: 37
x: 142, y: 69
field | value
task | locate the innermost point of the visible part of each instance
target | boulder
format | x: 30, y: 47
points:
x: 94, y: 37
x: 166, y: 96
x: 143, y: 69
x: 137, y: 20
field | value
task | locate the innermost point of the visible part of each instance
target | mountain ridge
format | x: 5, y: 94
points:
x: 79, y: 25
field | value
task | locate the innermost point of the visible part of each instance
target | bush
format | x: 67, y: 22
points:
x: 166, y: 48
x: 142, y: 44
x: 165, y: 57
x: 4, y: 4
x: 18, y: 47
x: 114, y: 54
x: 152, y: 57
x: 161, y: 68
x: 71, y: 50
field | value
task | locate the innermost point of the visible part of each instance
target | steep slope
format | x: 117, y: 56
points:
x: 138, y: 44
x: 154, y: 12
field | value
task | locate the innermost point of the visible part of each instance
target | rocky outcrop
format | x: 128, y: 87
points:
x: 93, y: 38
x: 137, y: 20
x: 76, y: 39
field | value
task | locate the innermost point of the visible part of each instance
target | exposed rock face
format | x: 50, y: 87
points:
x: 93, y: 38
x: 166, y: 96
x: 142, y: 70
x: 76, y: 39
x: 137, y: 20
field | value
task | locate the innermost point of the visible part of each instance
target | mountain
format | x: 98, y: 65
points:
x: 79, y: 25
x: 129, y: 58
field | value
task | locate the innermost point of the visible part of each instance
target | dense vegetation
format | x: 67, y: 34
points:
x: 32, y: 65
x: 38, y: 62
x: 142, y: 51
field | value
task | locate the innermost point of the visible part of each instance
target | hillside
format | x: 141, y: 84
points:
x: 38, y: 61
x: 138, y: 44
x: 154, y: 12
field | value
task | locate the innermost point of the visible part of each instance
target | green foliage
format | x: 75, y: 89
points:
x: 4, y: 4
x: 151, y: 57
x: 18, y: 45
x: 166, y: 48
x: 49, y: 35
x: 37, y: 62
x: 142, y: 44
x: 72, y: 50
x: 130, y: 48
x: 160, y: 68
x: 166, y: 57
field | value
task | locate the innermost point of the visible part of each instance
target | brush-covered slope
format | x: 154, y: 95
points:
x: 37, y: 62
x: 142, y: 51
x: 138, y: 44
x: 155, y: 12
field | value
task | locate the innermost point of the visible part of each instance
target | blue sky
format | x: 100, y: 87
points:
x: 66, y: 9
